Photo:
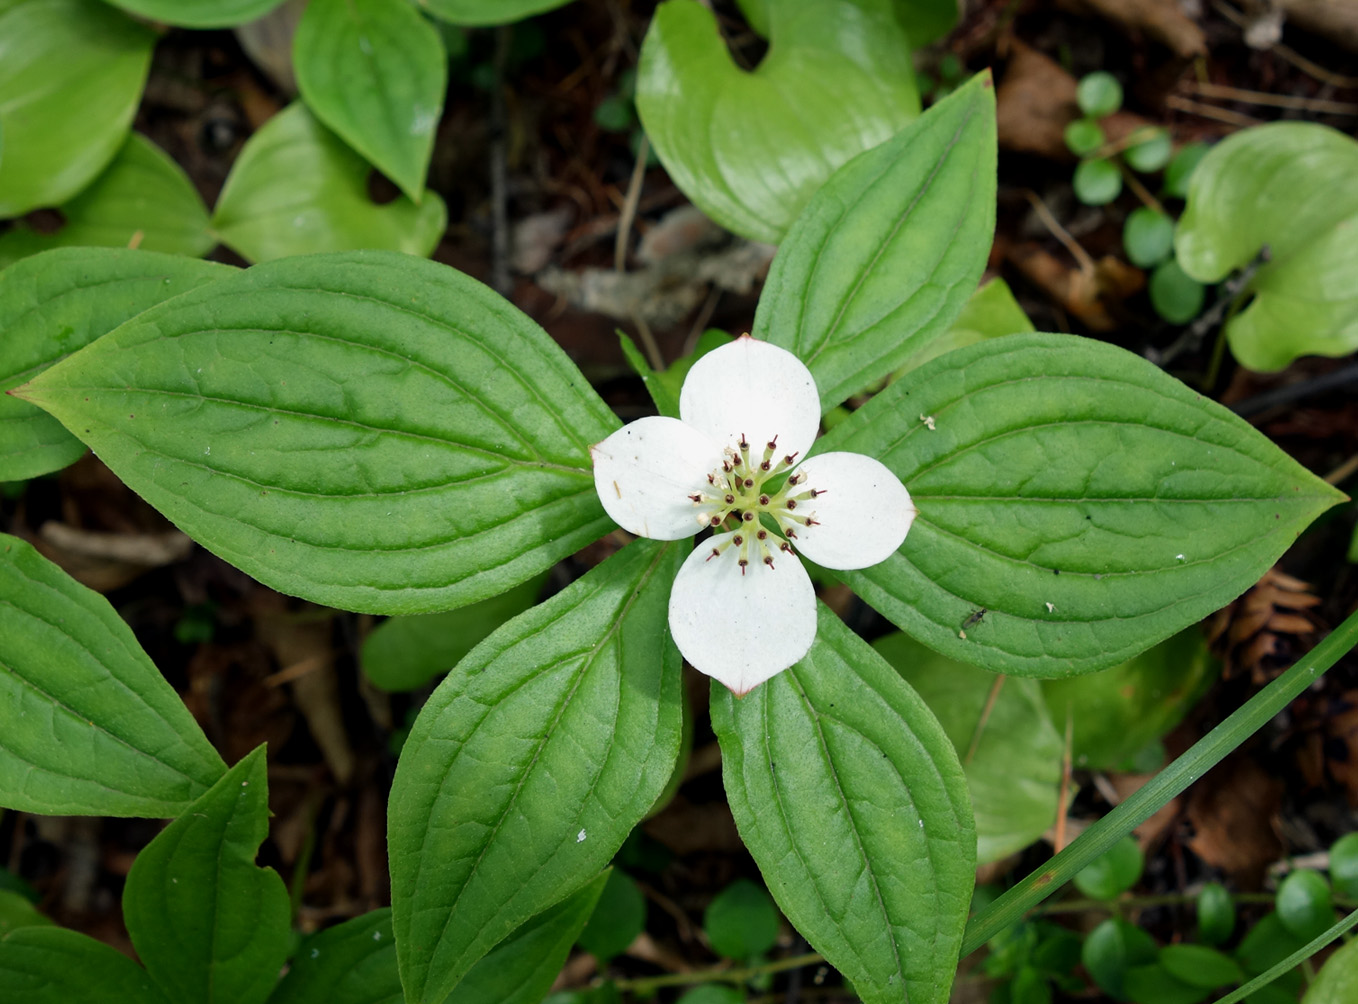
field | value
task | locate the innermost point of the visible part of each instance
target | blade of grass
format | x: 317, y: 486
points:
x: 1205, y: 754
x: 1305, y: 952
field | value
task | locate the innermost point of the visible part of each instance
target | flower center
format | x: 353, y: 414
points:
x: 742, y: 491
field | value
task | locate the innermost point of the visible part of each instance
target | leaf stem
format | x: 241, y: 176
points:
x: 645, y: 985
x: 1202, y: 757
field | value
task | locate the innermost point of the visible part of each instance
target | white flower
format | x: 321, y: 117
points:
x: 742, y: 608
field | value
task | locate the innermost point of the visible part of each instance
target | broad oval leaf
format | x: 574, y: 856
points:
x: 749, y: 148
x: 375, y: 72
x: 889, y: 250
x: 71, y: 74
x: 367, y: 430
x: 924, y: 21
x: 208, y: 924
x: 531, y: 763
x: 54, y: 965
x: 296, y: 188
x: 56, y: 302
x: 1076, y: 504
x: 16, y: 911
x: 487, y: 12
x: 350, y: 963
x: 1337, y: 981
x: 850, y: 797
x: 1297, y: 180
x: 91, y: 727
x: 199, y: 13
x: 143, y: 199
x: 1009, y: 747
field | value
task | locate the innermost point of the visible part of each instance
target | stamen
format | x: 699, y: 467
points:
x: 742, y: 564
x: 747, y: 516
x: 768, y: 560
x: 795, y: 478
x: 738, y: 540
x: 730, y: 499
x: 762, y: 534
x: 791, y: 457
x: 749, y: 482
x: 696, y: 497
x: 763, y: 500
x: 792, y: 503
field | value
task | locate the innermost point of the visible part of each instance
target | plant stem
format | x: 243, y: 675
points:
x: 1202, y: 757
x: 646, y: 985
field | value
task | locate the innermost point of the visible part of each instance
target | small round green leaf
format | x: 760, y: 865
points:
x: 1266, y: 944
x: 1216, y: 914
x: 618, y: 917
x: 750, y: 148
x: 1098, y: 94
x: 1113, y: 874
x: 1030, y: 987
x: 1344, y: 865
x: 1200, y: 966
x: 741, y: 921
x: 1151, y: 153
x: 375, y: 72
x: 1111, y: 949
x: 1084, y: 136
x: 199, y: 13
x: 1175, y: 296
x: 1148, y: 237
x: 18, y: 911
x: 713, y: 993
x: 71, y: 76
x: 297, y: 188
x: 1305, y: 904
x: 143, y: 199
x: 487, y: 12
x: 1181, y: 167
x: 1154, y: 983
x: 1097, y: 182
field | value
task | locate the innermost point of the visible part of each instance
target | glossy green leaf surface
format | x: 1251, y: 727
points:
x: 1344, y: 865
x: 1112, y: 874
x: 1091, y: 504
x: 375, y: 72
x: 367, y: 430
x: 749, y: 148
x: 1216, y: 914
x: 889, y: 251
x: 1337, y: 981
x: 56, y: 302
x: 350, y: 963
x: 1200, y: 966
x: 741, y: 921
x: 199, y: 13
x: 61, y: 128
x: 16, y: 911
x: 53, y: 965
x: 1111, y: 949
x: 618, y: 917
x: 849, y: 796
x: 207, y: 923
x: 91, y: 727
x: 487, y: 12
x: 1305, y: 904
x: 297, y: 188
x: 1011, y: 754
x: 1297, y: 180
x: 531, y: 763
x: 142, y: 199
x: 404, y: 653
x: 1115, y: 713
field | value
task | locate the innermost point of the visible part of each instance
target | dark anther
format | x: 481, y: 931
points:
x: 773, y: 443
x: 737, y: 540
x: 762, y: 534
x: 791, y: 457
x: 765, y: 466
x: 791, y: 533
x: 769, y: 561
x: 743, y: 444
x: 763, y: 500
x: 785, y: 546
x: 793, y: 478
x: 696, y: 497
x: 792, y: 503
x: 817, y: 492
x: 711, y: 479
x: 747, y: 516
x: 714, y: 553
x: 730, y: 499
x: 743, y: 563
x: 749, y: 482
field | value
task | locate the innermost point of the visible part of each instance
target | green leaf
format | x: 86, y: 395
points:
x: 992, y: 312
x: 1097, y: 182
x: 405, y: 653
x: 741, y: 921
x: 1181, y: 167
x: 52, y: 965
x: 91, y: 727
x: 664, y: 385
x: 1011, y: 754
x: 1148, y: 237
x: 1176, y: 296
x: 523, y: 967
x: 56, y: 302
x: 1265, y: 944
x: 206, y: 921
x: 1297, y: 179
x: 1111, y: 949
x: 1337, y: 981
x: 750, y: 148
x: 1216, y: 914
x: 1098, y: 94
x: 1153, y: 982
x: 296, y: 188
x: 1090, y: 503
x: 375, y: 72
x: 71, y: 74
x: 1305, y: 904
x: 142, y: 199
x: 1109, y: 876
x: 713, y: 993
x: 1201, y: 967
x: 199, y: 13
x: 1118, y: 712
x: 350, y: 963
x: 16, y: 911
x: 618, y: 917
x: 887, y: 253
x: 1151, y: 153
x: 850, y: 798
x: 926, y: 21
x: 1084, y: 136
x: 487, y: 12
x: 530, y: 764
x: 367, y: 430
x: 1344, y: 865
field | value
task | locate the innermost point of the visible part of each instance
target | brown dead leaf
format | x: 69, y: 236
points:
x: 1259, y: 632
x: 1087, y: 294
x: 686, y: 828
x: 1163, y: 20
x: 1232, y: 811
x: 108, y: 561
x: 1341, y: 744
x: 1337, y: 20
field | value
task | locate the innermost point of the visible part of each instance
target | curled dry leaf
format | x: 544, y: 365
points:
x: 1163, y: 20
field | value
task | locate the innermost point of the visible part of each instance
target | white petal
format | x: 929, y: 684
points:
x: 742, y: 629
x: 753, y: 388
x: 646, y: 471
x: 863, y: 516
